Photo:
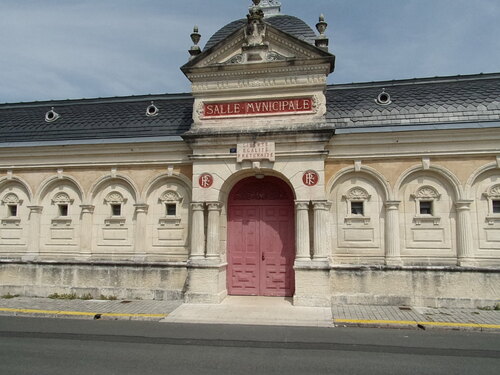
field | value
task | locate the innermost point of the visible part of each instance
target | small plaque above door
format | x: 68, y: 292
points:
x: 256, y: 151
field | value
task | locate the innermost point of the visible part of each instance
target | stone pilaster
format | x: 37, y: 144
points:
x: 214, y: 209
x: 465, y: 242
x: 141, y: 214
x: 34, y: 233
x: 302, y: 231
x: 86, y: 231
x: 321, y: 249
x: 392, y: 244
x: 198, y: 231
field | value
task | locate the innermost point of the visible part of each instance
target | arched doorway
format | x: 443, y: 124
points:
x: 261, y: 238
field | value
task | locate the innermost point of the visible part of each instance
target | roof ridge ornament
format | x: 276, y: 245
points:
x: 195, y: 50
x: 270, y: 7
x: 255, y: 30
x: 322, y: 40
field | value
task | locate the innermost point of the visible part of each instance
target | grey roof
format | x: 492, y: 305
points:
x: 96, y: 119
x: 473, y: 99
x: 416, y: 101
x: 288, y: 24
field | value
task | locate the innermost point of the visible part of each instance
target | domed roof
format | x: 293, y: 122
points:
x: 288, y: 24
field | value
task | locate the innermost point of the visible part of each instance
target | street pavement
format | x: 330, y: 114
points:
x: 256, y: 311
x: 61, y: 346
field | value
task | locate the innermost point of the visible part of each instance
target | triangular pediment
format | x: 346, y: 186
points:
x: 274, y: 46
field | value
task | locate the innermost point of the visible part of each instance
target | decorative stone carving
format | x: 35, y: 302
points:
x: 493, y: 192
x: 275, y: 56
x: 115, y: 197
x: 357, y: 194
x: 256, y: 29
x: 11, y: 198
x: 170, y: 196
x: 62, y: 198
x: 426, y: 192
x: 237, y: 59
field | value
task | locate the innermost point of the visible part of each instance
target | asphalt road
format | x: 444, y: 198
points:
x: 59, y: 346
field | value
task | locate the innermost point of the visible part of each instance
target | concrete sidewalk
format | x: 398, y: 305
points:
x: 256, y: 311
x: 87, y: 309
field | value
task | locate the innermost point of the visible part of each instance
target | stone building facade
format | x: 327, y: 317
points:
x: 264, y: 180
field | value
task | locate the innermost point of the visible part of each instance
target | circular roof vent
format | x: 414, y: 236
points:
x: 51, y: 115
x: 152, y: 110
x: 383, y: 98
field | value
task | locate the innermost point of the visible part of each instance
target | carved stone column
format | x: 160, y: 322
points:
x: 34, y: 233
x: 198, y: 231
x: 213, y: 229
x: 465, y: 242
x: 302, y: 231
x: 392, y: 244
x: 86, y: 230
x: 321, y: 239
x: 141, y: 211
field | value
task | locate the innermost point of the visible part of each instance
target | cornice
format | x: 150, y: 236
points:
x: 276, y: 82
x: 273, y: 68
x: 94, y: 155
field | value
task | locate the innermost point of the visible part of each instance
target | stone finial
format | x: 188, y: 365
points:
x: 322, y: 41
x: 321, y: 25
x: 195, y: 50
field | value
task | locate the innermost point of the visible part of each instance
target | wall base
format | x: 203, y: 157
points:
x: 123, y: 281
x: 453, y: 287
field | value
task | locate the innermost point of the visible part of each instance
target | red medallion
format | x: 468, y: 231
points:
x: 206, y: 180
x: 310, y: 178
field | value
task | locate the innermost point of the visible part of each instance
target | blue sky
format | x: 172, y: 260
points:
x: 60, y: 49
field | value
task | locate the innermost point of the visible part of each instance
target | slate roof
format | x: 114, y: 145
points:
x: 438, y: 101
x: 416, y: 101
x: 96, y: 119
x: 288, y: 24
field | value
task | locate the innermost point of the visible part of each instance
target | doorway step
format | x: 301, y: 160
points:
x: 252, y: 311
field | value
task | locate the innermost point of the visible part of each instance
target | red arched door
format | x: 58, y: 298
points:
x: 261, y: 238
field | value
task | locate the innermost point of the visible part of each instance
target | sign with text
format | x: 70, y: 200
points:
x: 256, y: 151
x: 259, y: 107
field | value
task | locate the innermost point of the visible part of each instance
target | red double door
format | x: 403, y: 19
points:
x: 261, y: 238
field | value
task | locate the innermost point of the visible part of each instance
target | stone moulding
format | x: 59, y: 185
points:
x: 458, y: 269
